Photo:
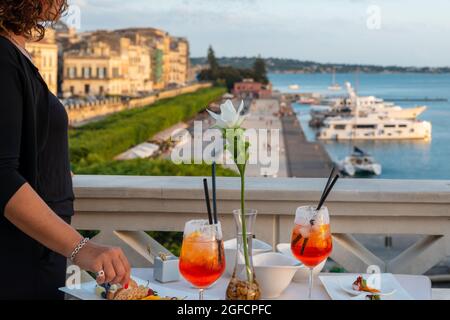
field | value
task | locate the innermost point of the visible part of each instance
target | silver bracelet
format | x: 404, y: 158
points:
x: 78, y: 248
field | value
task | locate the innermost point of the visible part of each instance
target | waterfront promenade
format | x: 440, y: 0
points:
x: 304, y: 159
x: 263, y: 115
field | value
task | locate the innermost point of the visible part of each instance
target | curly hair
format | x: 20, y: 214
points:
x: 25, y: 17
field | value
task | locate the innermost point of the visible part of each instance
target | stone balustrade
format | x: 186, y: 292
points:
x: 123, y: 207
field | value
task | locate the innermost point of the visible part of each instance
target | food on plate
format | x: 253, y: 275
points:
x: 132, y: 291
x: 361, y: 285
x: 116, y: 292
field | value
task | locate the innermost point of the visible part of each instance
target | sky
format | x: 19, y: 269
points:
x: 382, y: 32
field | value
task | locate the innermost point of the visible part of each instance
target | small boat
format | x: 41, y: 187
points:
x: 334, y: 86
x: 307, y: 100
x: 359, y: 163
x: 294, y: 87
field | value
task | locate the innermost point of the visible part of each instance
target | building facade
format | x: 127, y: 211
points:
x: 124, y: 62
x: 248, y: 88
x: 45, y: 57
x: 104, y: 64
x: 179, y: 62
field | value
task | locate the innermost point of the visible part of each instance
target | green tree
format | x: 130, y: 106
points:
x: 212, y: 61
x: 260, y: 70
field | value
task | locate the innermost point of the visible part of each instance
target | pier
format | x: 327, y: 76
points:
x: 418, y: 99
x: 304, y: 159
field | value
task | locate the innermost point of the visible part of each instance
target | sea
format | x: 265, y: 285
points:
x: 403, y: 159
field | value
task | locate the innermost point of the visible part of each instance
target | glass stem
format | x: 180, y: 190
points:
x: 244, y: 231
x: 311, y: 281
x: 200, y: 294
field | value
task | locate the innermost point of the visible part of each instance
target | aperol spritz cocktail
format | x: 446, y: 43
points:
x: 202, y: 259
x: 311, y: 238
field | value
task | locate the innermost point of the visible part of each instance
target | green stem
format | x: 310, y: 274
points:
x: 244, y: 231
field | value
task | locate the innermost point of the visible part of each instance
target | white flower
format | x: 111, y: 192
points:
x: 228, y: 118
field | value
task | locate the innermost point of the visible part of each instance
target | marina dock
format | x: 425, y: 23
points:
x: 304, y: 159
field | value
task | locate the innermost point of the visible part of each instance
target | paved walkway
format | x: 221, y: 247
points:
x: 262, y: 116
x: 305, y: 159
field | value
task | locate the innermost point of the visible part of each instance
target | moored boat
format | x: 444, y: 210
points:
x: 359, y: 163
x: 334, y: 86
x: 374, y: 127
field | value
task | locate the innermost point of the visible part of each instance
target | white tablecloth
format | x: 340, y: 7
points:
x: 419, y: 287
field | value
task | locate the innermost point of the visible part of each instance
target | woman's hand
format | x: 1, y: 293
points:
x: 94, y: 257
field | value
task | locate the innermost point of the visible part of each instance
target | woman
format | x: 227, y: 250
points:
x: 36, y: 197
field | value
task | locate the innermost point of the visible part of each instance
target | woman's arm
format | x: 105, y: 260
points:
x: 27, y: 211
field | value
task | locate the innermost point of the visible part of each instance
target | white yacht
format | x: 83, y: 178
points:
x: 373, y: 127
x: 294, y: 87
x: 371, y: 104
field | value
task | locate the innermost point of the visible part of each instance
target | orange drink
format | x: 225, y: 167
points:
x: 317, y: 248
x: 200, y: 263
x: 202, y: 258
x: 311, y: 240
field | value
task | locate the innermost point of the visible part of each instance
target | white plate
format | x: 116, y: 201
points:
x: 389, y: 283
x: 87, y: 291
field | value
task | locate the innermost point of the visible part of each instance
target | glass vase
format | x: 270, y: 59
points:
x: 243, y: 284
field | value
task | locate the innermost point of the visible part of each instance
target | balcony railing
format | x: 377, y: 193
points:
x: 121, y: 208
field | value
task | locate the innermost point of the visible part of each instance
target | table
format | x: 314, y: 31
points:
x: 419, y: 287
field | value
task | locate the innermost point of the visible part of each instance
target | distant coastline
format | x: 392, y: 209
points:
x: 292, y: 66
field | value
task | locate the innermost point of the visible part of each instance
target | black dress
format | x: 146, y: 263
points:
x: 33, y: 149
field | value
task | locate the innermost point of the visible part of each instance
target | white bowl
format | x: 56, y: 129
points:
x: 258, y: 247
x: 303, y: 272
x: 274, y: 272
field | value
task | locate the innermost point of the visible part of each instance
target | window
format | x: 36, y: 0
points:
x: 87, y: 89
x: 101, y: 73
x: 73, y: 72
x: 340, y: 127
x: 402, y: 126
x: 86, y: 72
x: 365, y: 126
x: 389, y: 125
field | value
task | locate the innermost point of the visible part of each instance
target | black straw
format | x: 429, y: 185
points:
x: 208, y: 204
x: 214, y: 198
x: 327, y: 192
x: 330, y: 177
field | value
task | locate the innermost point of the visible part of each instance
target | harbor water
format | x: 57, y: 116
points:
x: 402, y: 159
